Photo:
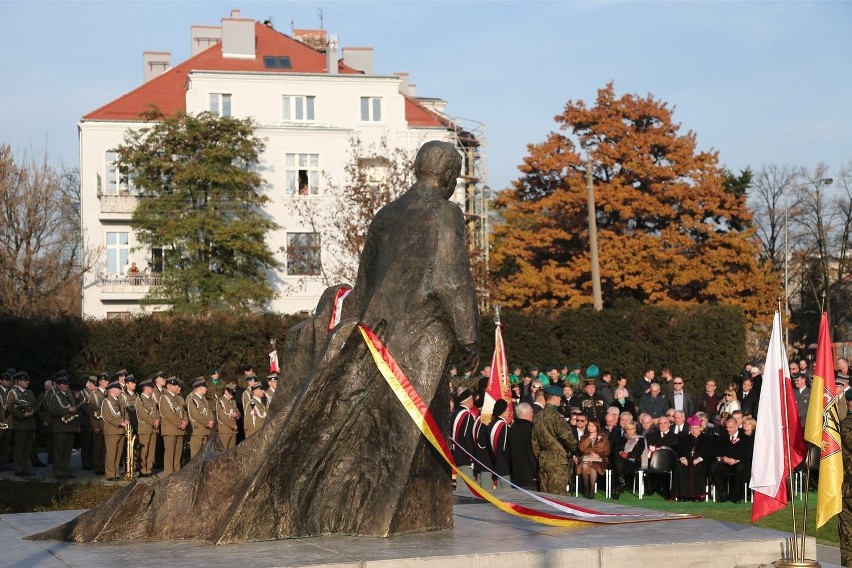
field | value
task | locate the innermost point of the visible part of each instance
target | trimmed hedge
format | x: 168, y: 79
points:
x: 185, y: 346
x: 697, y: 342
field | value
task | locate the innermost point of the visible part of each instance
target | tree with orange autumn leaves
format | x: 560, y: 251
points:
x: 670, y: 230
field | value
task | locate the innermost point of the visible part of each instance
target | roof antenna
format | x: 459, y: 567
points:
x: 319, y: 13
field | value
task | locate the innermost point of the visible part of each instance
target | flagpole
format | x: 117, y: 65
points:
x: 786, y: 426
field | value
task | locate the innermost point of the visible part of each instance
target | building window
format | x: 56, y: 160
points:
x: 371, y: 109
x: 117, y: 253
x: 220, y: 104
x: 157, y: 260
x: 119, y: 315
x: 115, y: 185
x: 303, y: 254
x: 302, y: 173
x: 298, y: 108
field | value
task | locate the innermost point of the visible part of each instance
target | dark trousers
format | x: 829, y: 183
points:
x: 98, y: 450
x: 87, y: 448
x: 24, y: 446
x: 62, y: 445
x: 737, y: 474
x: 5, y: 446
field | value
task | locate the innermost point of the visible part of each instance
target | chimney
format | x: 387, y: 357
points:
x: 155, y: 63
x: 412, y: 90
x: 205, y: 36
x: 331, y: 55
x: 360, y: 58
x: 238, y: 40
x: 404, y: 84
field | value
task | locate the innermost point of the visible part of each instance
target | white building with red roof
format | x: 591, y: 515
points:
x: 308, y: 103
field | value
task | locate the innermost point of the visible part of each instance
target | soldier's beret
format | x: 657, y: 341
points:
x: 257, y: 386
x: 146, y: 383
x: 103, y: 377
x: 214, y: 371
x: 114, y: 385
x: 157, y: 375
x: 464, y: 395
x: 500, y: 407
x: 272, y: 377
x: 849, y: 395
x: 130, y: 379
x: 552, y: 390
x: 173, y: 381
x: 120, y: 372
x: 576, y: 367
x: 199, y: 382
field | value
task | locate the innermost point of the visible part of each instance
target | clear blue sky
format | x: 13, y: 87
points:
x: 758, y: 81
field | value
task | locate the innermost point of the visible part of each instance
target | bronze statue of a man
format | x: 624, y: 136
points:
x: 339, y: 454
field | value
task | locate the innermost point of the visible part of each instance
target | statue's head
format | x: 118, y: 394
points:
x: 438, y: 165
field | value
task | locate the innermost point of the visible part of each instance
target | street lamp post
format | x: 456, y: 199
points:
x: 597, y: 296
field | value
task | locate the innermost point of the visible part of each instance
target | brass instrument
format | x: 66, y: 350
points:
x: 4, y: 426
x: 130, y: 460
x: 67, y: 418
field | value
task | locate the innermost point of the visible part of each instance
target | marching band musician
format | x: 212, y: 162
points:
x: 255, y: 410
x: 226, y: 417
x: 149, y: 425
x: 61, y: 404
x: 129, y: 398
x: 21, y: 404
x: 115, y: 426
x: 5, y: 418
x: 172, y: 425
x: 96, y: 400
x: 271, y: 386
x: 159, y: 379
x: 200, y: 416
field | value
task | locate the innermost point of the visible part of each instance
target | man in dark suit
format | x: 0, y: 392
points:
x: 749, y: 397
x: 524, y: 466
x: 733, y: 462
x: 679, y: 399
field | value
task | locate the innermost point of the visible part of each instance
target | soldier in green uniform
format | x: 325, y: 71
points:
x: 96, y: 400
x: 64, y: 423
x: 552, y: 444
x: 173, y: 423
x: 226, y: 417
x: 21, y: 404
x: 200, y: 416
x: 845, y: 520
x: 149, y: 425
x: 5, y: 419
x: 115, y: 427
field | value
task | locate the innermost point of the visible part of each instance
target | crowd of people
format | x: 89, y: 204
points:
x: 116, y: 414
x: 570, y: 426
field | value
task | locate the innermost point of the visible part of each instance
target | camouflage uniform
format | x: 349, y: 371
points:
x: 552, y: 443
x: 845, y: 520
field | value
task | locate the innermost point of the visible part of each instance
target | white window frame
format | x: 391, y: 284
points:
x: 221, y: 104
x: 299, y: 108
x: 117, y: 252
x: 371, y: 109
x: 112, y: 174
x: 302, y: 174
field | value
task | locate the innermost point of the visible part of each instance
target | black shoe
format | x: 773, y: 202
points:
x: 723, y: 499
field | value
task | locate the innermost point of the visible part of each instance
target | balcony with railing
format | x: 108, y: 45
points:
x: 127, y: 287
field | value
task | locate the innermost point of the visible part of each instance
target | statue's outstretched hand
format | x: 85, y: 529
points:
x: 471, y: 359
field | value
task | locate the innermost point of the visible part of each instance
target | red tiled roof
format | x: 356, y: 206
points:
x: 168, y: 91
